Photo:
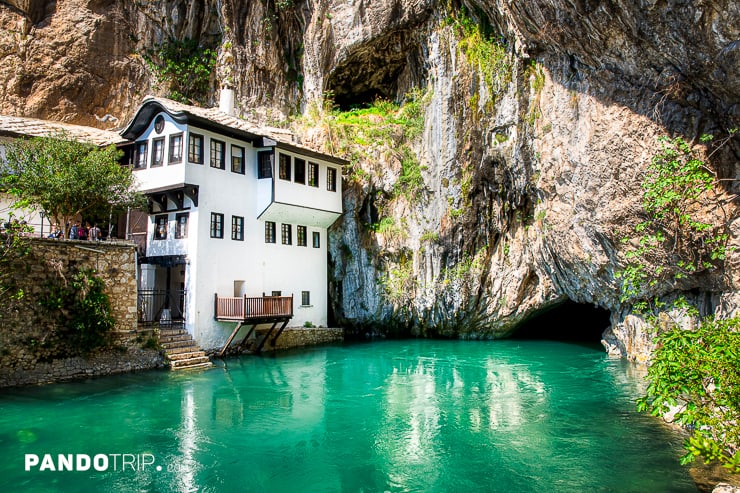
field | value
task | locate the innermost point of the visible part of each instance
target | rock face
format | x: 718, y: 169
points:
x: 528, y: 185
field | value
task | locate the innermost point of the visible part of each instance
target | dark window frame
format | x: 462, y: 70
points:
x: 195, y: 153
x: 237, y: 228
x: 155, y: 162
x: 285, y: 164
x: 286, y: 233
x: 270, y: 231
x: 218, y: 159
x: 172, y: 157
x: 140, y: 157
x: 265, y: 160
x: 313, y: 174
x: 305, y: 298
x: 178, y: 234
x: 217, y: 225
x: 158, y: 234
x: 240, y: 168
x: 302, y: 236
x: 331, y: 179
x: 299, y: 171
x: 316, y: 239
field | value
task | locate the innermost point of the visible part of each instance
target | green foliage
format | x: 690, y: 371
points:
x: 66, y: 178
x: 483, y: 53
x: 696, y: 374
x: 360, y: 134
x: 82, y: 308
x: 183, y: 67
x: 672, y: 240
x: 13, y: 245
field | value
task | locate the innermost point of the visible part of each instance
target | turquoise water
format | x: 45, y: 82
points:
x: 427, y: 416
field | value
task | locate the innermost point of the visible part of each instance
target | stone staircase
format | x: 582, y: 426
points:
x: 181, y: 350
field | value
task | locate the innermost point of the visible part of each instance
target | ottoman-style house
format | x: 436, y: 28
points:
x: 237, y: 223
x: 235, y: 235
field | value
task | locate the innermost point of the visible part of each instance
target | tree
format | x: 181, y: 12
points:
x: 66, y: 179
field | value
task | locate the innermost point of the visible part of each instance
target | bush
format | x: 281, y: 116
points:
x: 696, y: 375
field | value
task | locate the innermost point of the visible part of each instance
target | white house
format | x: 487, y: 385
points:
x: 237, y: 221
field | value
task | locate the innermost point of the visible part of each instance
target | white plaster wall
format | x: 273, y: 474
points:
x: 167, y: 174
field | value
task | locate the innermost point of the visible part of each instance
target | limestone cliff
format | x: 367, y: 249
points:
x: 529, y: 180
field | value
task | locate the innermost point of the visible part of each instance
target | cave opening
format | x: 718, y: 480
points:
x: 568, y: 321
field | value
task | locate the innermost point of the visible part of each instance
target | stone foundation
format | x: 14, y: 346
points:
x: 34, y: 349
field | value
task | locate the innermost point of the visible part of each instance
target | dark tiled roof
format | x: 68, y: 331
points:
x: 17, y: 126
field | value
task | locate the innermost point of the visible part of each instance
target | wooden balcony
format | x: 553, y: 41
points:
x: 257, y: 310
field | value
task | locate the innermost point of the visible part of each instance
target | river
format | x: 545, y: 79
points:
x: 415, y: 415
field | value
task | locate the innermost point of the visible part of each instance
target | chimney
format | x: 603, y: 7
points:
x: 226, y: 101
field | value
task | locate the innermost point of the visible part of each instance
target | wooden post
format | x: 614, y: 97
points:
x: 215, y: 306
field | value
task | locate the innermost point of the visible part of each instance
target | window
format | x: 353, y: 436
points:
x: 157, y: 152
x: 269, y: 232
x: 331, y: 179
x: 313, y: 174
x: 140, y: 161
x: 300, y: 171
x: 305, y: 298
x: 217, y: 225
x: 287, y: 234
x: 181, y: 228
x: 316, y: 239
x: 159, y: 124
x: 264, y: 164
x: 195, y: 148
x: 160, y: 227
x: 301, y: 236
x: 277, y: 293
x: 284, y: 171
x: 175, y: 149
x: 237, y: 228
x: 218, y: 154
x: 237, y: 159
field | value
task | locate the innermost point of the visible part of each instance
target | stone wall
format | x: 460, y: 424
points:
x: 33, y: 347
x: 299, y: 336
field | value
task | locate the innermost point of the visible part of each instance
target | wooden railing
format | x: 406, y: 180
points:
x: 244, y: 308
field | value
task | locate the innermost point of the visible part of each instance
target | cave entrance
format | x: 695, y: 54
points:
x: 569, y: 321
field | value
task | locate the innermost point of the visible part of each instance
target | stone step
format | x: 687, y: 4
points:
x: 176, y: 338
x: 178, y: 344
x: 170, y: 333
x: 194, y: 366
x: 190, y: 348
x: 190, y: 362
x: 185, y: 355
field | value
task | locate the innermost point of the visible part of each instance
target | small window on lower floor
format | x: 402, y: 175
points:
x: 316, y: 239
x: 301, y: 235
x: 269, y: 232
x: 181, y: 229
x: 160, y: 227
x: 305, y: 298
x: 277, y: 293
